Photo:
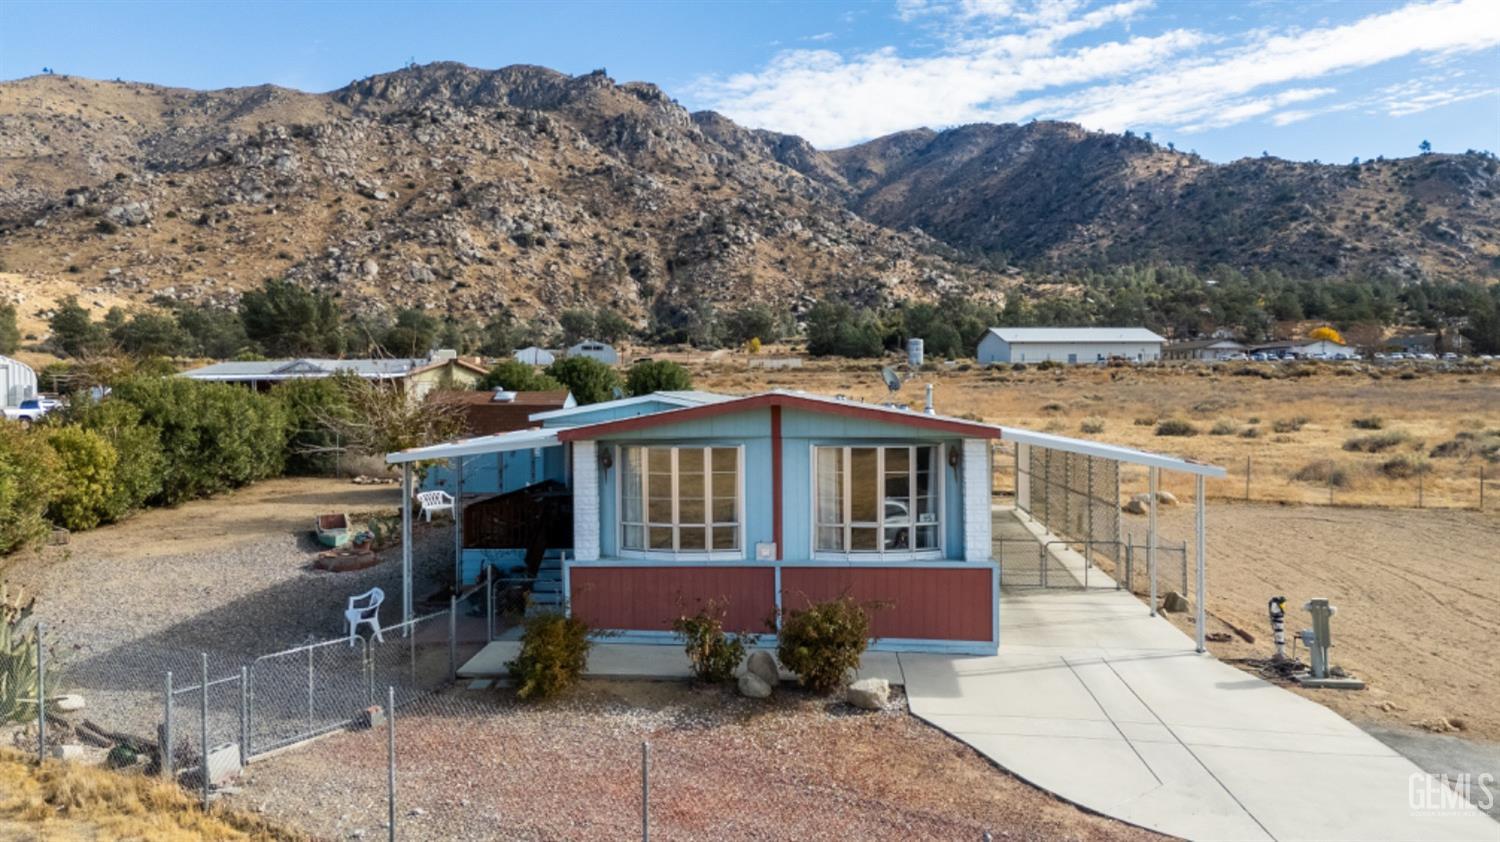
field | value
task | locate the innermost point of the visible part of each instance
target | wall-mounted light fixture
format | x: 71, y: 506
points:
x: 606, y: 459
x: 953, y: 456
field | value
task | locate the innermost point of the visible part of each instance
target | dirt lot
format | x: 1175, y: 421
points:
x: 1314, y: 414
x: 480, y: 765
x: 1417, y: 593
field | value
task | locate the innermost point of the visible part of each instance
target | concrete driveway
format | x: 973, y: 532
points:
x: 1093, y: 699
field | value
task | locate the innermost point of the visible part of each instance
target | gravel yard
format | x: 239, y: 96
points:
x: 230, y: 576
x: 477, y: 764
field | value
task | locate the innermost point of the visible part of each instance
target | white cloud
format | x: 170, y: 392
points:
x: 1003, y: 60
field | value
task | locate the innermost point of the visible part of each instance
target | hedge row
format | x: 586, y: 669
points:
x: 155, y: 441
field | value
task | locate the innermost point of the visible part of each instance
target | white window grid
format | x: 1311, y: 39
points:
x: 936, y: 477
x: 646, y: 524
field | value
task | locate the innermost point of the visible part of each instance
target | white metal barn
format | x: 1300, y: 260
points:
x: 1068, y: 344
x: 17, y: 382
x: 595, y: 351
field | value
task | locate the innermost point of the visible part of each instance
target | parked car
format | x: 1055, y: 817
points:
x: 31, y: 410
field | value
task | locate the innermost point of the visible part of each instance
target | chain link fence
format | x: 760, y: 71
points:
x: 1073, y: 496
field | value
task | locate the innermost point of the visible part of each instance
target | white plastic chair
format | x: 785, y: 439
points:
x: 435, y: 501
x: 365, y: 609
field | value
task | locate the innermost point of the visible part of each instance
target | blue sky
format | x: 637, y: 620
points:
x: 1304, y: 80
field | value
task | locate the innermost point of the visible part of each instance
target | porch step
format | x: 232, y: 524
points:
x: 546, y: 586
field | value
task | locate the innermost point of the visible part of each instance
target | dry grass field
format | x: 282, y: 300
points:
x: 1424, y: 437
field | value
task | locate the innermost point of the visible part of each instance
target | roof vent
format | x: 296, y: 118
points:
x: 504, y: 396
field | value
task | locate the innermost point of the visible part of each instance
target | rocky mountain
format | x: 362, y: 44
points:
x: 523, y: 189
x: 443, y: 186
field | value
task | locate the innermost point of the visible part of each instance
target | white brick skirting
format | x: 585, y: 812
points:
x: 585, y: 501
x: 976, y: 487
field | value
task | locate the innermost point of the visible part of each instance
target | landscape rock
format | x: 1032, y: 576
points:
x: 1174, y: 603
x: 763, y: 665
x: 68, y: 751
x: 869, y: 693
x: 1134, y: 507
x: 68, y: 704
x: 752, y: 687
x: 130, y: 213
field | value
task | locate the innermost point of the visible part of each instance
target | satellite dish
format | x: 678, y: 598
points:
x: 891, y: 378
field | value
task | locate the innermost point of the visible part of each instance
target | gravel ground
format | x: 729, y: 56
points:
x: 477, y: 764
x: 230, y: 576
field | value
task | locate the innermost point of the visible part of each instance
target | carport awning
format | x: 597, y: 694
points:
x: 498, y: 443
x: 1110, y: 451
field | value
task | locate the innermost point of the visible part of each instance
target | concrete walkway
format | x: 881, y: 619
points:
x: 1093, y: 699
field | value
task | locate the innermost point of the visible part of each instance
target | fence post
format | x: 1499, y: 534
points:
x: 309, y: 689
x: 367, y: 662
x: 165, y: 760
x: 390, y: 759
x: 1481, y: 488
x: 1247, y: 478
x: 489, y: 590
x: 645, y: 791
x: 41, y: 693
x: 1420, y: 494
x: 244, y: 716
x: 452, y: 637
x: 203, y: 727
x: 1330, y: 483
x: 1184, y: 569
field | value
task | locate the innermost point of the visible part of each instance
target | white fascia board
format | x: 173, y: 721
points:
x: 1111, y: 451
x: 500, y: 443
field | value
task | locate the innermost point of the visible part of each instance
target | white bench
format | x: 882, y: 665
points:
x: 365, y: 609
x: 435, y: 501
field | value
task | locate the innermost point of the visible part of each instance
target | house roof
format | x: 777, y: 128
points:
x: 793, y: 400
x: 476, y: 445
x: 679, y: 398
x: 1110, y: 451
x: 471, y: 365
x: 1202, y: 343
x: 1292, y: 343
x: 484, y: 415
x: 1075, y: 334
x: 307, y: 367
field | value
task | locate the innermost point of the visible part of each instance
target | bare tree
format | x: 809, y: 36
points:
x: 379, y: 418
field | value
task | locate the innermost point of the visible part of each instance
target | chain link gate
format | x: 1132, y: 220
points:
x: 1076, y: 498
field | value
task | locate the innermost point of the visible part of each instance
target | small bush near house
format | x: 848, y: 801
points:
x: 28, y: 477
x: 1404, y: 466
x: 86, y: 479
x: 554, y: 652
x: 1369, y: 422
x: 590, y: 380
x: 1092, y: 425
x: 713, y: 654
x: 1378, y: 443
x: 823, y: 643
x: 1175, y: 427
x: 1223, y: 428
x: 1325, y: 472
x: 649, y: 376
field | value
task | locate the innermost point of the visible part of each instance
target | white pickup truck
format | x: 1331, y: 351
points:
x: 31, y: 409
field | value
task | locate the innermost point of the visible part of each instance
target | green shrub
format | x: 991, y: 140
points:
x: 823, y: 643
x: 1379, y: 442
x: 1053, y: 407
x: 1175, y: 427
x: 1223, y: 428
x: 516, y: 376
x: 837, y: 329
x: 1250, y: 433
x: 214, y: 436
x: 1145, y: 421
x: 713, y: 654
x: 1369, y: 422
x: 1289, y: 425
x: 1325, y: 472
x: 308, y: 406
x: 28, y: 478
x: 1092, y: 425
x: 86, y: 479
x: 590, y: 380
x: 1404, y: 466
x: 649, y: 376
x: 139, y: 464
x: 554, y: 652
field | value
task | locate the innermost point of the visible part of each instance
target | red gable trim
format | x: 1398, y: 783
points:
x: 968, y: 429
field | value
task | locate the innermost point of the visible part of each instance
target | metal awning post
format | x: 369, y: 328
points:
x: 406, y: 601
x: 1151, y: 535
x: 1202, y: 595
x: 458, y: 522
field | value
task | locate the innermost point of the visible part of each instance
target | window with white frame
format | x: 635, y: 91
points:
x: 878, y: 500
x: 680, y: 500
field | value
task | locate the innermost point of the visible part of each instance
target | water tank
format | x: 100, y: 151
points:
x: 914, y: 353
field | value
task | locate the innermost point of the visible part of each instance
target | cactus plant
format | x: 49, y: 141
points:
x: 18, y: 660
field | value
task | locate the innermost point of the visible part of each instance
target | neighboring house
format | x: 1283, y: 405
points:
x: 1417, y: 343
x: 490, y: 413
x: 1204, y: 349
x: 17, y: 382
x: 1303, y: 348
x: 1068, y: 345
x: 443, y: 370
x: 535, y: 356
x: 595, y: 351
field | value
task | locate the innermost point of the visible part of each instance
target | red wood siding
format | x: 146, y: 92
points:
x: 650, y: 598
x: 923, y: 603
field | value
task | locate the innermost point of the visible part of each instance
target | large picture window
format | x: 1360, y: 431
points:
x: 680, y: 500
x: 877, y: 500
